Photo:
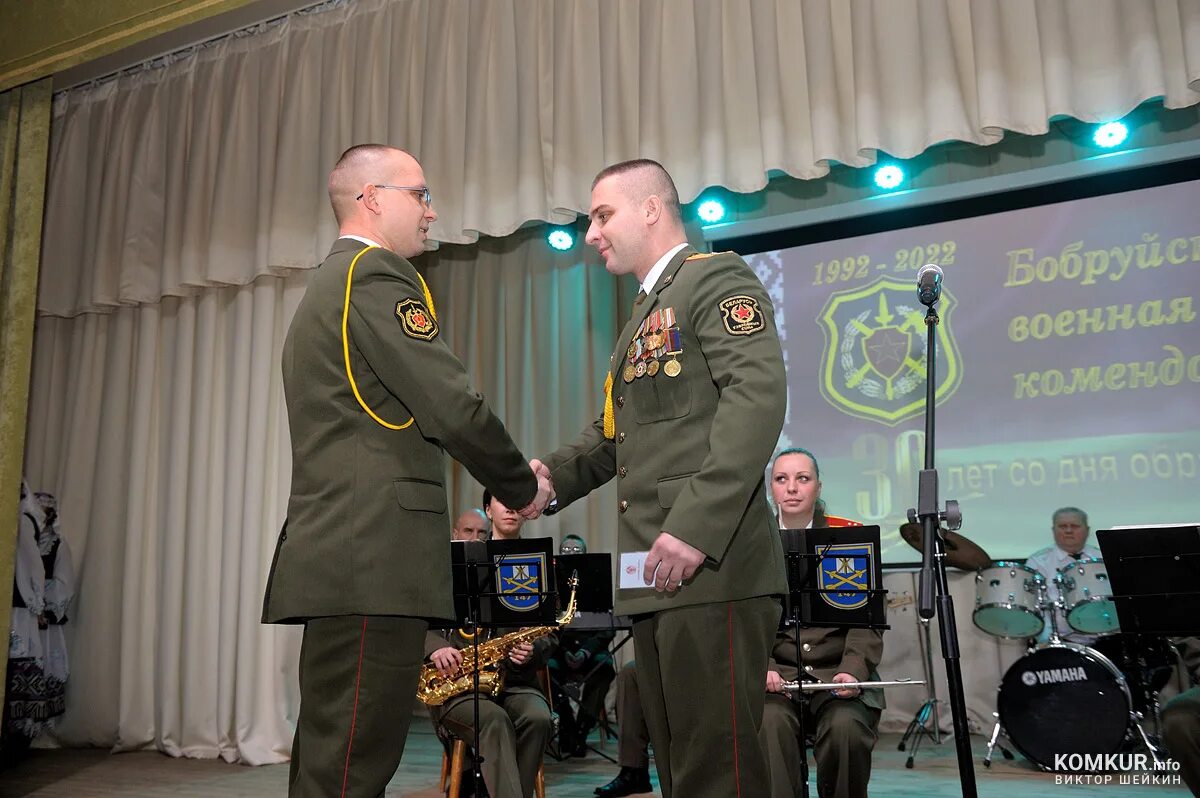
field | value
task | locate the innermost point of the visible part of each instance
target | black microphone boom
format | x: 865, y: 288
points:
x: 929, y: 284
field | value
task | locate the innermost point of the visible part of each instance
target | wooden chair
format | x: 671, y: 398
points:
x: 452, y: 771
x: 453, y: 762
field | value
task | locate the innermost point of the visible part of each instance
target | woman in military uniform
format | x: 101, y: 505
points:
x: 846, y: 721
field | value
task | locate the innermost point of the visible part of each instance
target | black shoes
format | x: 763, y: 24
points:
x: 630, y: 781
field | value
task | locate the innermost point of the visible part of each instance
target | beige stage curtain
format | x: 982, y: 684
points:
x: 24, y: 138
x: 210, y: 170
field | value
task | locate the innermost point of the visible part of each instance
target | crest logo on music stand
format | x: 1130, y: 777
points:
x: 845, y: 568
x: 521, y: 577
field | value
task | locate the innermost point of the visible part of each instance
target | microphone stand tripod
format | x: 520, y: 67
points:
x: 933, y: 554
x: 919, y: 726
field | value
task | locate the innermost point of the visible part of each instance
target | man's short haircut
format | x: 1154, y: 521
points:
x: 341, y: 195
x: 655, y: 180
x: 1068, y: 511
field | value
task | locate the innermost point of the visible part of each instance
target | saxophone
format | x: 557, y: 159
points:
x: 433, y: 689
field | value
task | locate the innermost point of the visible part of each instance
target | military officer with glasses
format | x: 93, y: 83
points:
x: 375, y: 401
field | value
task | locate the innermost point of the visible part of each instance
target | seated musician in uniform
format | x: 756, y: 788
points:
x: 633, y: 740
x: 845, y: 721
x: 471, y: 525
x: 1181, y: 719
x: 581, y: 668
x: 1070, y: 528
x: 514, y: 726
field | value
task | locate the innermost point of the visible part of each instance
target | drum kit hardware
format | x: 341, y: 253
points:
x: 1064, y: 697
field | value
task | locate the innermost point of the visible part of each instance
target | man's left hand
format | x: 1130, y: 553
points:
x: 521, y: 653
x: 670, y: 562
x: 848, y: 692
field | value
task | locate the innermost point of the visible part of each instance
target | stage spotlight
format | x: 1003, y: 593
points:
x: 1110, y: 134
x: 710, y: 211
x: 560, y: 238
x: 888, y: 177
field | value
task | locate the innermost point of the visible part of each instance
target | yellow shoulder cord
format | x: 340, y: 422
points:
x: 610, y: 423
x: 346, y: 340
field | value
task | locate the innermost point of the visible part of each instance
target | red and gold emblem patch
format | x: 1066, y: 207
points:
x: 416, y: 320
x: 741, y: 315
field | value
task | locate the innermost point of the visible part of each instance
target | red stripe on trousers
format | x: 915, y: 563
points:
x: 737, y: 777
x: 362, y: 641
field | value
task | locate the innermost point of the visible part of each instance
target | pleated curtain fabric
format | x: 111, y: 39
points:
x: 24, y: 140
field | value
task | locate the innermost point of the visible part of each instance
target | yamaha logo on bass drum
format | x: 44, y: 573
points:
x: 1054, y: 676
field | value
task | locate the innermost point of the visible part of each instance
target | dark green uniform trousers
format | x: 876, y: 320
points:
x: 358, y: 681
x: 513, y: 731
x: 845, y: 734
x: 633, y: 738
x: 701, y: 671
x: 1181, y: 734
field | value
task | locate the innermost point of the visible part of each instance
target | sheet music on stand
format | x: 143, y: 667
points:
x: 835, y: 577
x: 1154, y: 572
x: 512, y: 575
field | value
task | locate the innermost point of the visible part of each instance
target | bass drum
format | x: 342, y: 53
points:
x: 1064, y: 698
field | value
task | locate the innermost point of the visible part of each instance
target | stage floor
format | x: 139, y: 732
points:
x: 92, y: 773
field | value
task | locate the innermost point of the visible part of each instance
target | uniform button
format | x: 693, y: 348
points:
x: 808, y: 668
x: 620, y: 401
x: 622, y: 471
x: 623, y: 506
x: 620, y: 437
x: 807, y: 647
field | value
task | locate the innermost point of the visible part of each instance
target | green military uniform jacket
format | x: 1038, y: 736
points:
x: 690, y: 450
x: 827, y: 652
x: 367, y: 530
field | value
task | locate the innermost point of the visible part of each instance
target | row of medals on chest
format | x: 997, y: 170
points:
x: 657, y: 337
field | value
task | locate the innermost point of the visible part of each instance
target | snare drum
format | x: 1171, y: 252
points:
x: 1085, y: 593
x: 1008, y: 600
x: 1064, y: 698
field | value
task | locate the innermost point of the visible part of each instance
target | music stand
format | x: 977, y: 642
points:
x: 835, y: 579
x: 595, y: 591
x: 594, y: 596
x: 499, y: 584
x: 1146, y: 566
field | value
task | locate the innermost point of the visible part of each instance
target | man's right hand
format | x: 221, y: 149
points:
x: 774, y: 682
x: 545, y: 492
x: 447, y: 660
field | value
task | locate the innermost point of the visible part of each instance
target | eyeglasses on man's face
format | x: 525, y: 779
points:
x: 421, y: 192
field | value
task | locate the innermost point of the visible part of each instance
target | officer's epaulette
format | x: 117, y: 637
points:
x: 703, y: 255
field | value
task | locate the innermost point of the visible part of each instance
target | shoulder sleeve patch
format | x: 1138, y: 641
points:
x: 416, y: 321
x: 741, y: 315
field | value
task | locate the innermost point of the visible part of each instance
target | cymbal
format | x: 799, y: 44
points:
x: 913, y: 535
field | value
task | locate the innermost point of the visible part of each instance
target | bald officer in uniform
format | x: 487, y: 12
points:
x: 375, y: 399
x: 696, y: 405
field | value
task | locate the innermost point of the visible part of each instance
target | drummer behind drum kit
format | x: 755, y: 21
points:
x: 1062, y: 697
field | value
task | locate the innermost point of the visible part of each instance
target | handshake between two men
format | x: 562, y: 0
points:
x: 670, y: 561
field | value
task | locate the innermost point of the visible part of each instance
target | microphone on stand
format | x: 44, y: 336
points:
x: 929, y: 284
